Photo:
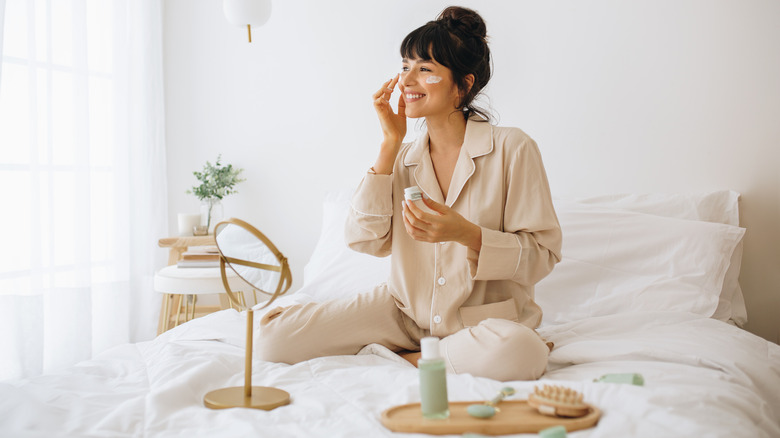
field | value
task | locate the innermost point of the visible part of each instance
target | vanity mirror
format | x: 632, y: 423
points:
x: 252, y: 256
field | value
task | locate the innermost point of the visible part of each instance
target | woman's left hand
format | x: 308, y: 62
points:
x: 445, y: 225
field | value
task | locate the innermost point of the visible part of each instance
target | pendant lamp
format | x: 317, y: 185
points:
x: 247, y: 13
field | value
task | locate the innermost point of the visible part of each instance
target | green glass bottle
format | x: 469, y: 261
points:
x: 433, y: 381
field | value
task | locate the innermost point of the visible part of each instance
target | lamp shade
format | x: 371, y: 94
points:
x: 247, y: 12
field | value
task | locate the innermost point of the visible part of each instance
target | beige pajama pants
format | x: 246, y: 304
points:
x: 496, y: 348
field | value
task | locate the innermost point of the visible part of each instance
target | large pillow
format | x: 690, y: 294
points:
x: 617, y: 261
x: 334, y: 270
x: 720, y: 206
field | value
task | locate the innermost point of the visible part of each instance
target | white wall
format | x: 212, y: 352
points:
x: 640, y: 96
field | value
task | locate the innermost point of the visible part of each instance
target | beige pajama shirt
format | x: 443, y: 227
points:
x: 480, y: 303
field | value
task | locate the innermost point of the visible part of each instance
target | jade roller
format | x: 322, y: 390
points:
x: 488, y: 408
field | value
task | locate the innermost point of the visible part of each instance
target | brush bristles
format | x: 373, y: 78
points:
x: 559, y: 394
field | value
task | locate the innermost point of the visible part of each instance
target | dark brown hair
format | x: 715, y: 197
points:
x: 457, y: 39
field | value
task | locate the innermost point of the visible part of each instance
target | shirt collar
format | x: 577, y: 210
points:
x: 477, y: 141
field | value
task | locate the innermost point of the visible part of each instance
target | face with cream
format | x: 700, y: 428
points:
x: 428, y: 88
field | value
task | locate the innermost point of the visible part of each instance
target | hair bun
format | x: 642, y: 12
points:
x: 464, y: 19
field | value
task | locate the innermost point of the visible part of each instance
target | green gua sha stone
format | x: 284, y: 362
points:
x: 630, y: 378
x: 553, y: 432
x: 481, y: 411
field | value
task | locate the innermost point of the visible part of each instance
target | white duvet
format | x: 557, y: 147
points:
x: 703, y: 378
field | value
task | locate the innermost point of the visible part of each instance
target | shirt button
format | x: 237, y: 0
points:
x: 441, y: 281
x: 437, y: 319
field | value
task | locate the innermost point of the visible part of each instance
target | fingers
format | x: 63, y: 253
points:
x: 381, y: 92
x: 437, y: 210
x: 393, y: 83
x: 382, y: 96
x: 411, y: 210
x: 435, y: 206
x: 415, y: 216
x: 411, y: 230
x: 387, y: 89
x: 401, y: 102
x: 418, y: 229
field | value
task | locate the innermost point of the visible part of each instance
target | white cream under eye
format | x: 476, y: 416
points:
x: 433, y: 79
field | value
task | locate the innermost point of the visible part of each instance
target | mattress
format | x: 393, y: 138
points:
x: 702, y: 377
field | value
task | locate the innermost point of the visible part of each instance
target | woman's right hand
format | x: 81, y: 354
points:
x: 393, y: 124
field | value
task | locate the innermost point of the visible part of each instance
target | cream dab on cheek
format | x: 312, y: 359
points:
x: 433, y: 79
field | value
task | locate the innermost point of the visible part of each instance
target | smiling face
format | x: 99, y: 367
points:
x: 456, y: 42
x: 428, y: 87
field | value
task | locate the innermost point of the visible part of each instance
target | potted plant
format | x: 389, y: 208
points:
x: 216, y: 182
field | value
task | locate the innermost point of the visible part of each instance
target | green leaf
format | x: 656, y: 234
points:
x: 216, y: 180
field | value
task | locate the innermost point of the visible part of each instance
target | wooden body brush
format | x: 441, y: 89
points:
x: 558, y: 401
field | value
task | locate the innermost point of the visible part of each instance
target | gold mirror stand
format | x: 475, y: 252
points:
x: 248, y: 396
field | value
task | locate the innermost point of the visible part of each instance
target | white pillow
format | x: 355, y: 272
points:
x: 334, y: 270
x: 720, y: 206
x: 620, y: 261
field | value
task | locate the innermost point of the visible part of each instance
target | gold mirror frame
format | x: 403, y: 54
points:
x: 248, y: 396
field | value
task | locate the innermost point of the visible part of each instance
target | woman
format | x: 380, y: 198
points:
x: 464, y: 272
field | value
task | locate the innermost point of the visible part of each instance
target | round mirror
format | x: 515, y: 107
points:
x: 253, y: 257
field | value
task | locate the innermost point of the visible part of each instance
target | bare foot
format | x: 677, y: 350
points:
x: 412, y: 357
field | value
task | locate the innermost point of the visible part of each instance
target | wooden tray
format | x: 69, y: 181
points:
x: 516, y: 416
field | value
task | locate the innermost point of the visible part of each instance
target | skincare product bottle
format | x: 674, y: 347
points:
x: 433, y: 381
x: 414, y: 194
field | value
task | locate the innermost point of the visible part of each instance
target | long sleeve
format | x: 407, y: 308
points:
x: 368, y: 228
x: 529, y: 246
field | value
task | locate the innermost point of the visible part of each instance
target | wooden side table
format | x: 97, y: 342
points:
x: 177, y: 246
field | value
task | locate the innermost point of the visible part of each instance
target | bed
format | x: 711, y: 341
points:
x: 648, y: 285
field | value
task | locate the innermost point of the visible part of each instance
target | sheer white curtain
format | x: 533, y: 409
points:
x: 82, y: 172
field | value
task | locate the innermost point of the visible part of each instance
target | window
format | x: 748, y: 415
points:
x: 80, y: 231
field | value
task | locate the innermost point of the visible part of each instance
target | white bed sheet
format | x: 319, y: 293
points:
x: 703, y: 377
